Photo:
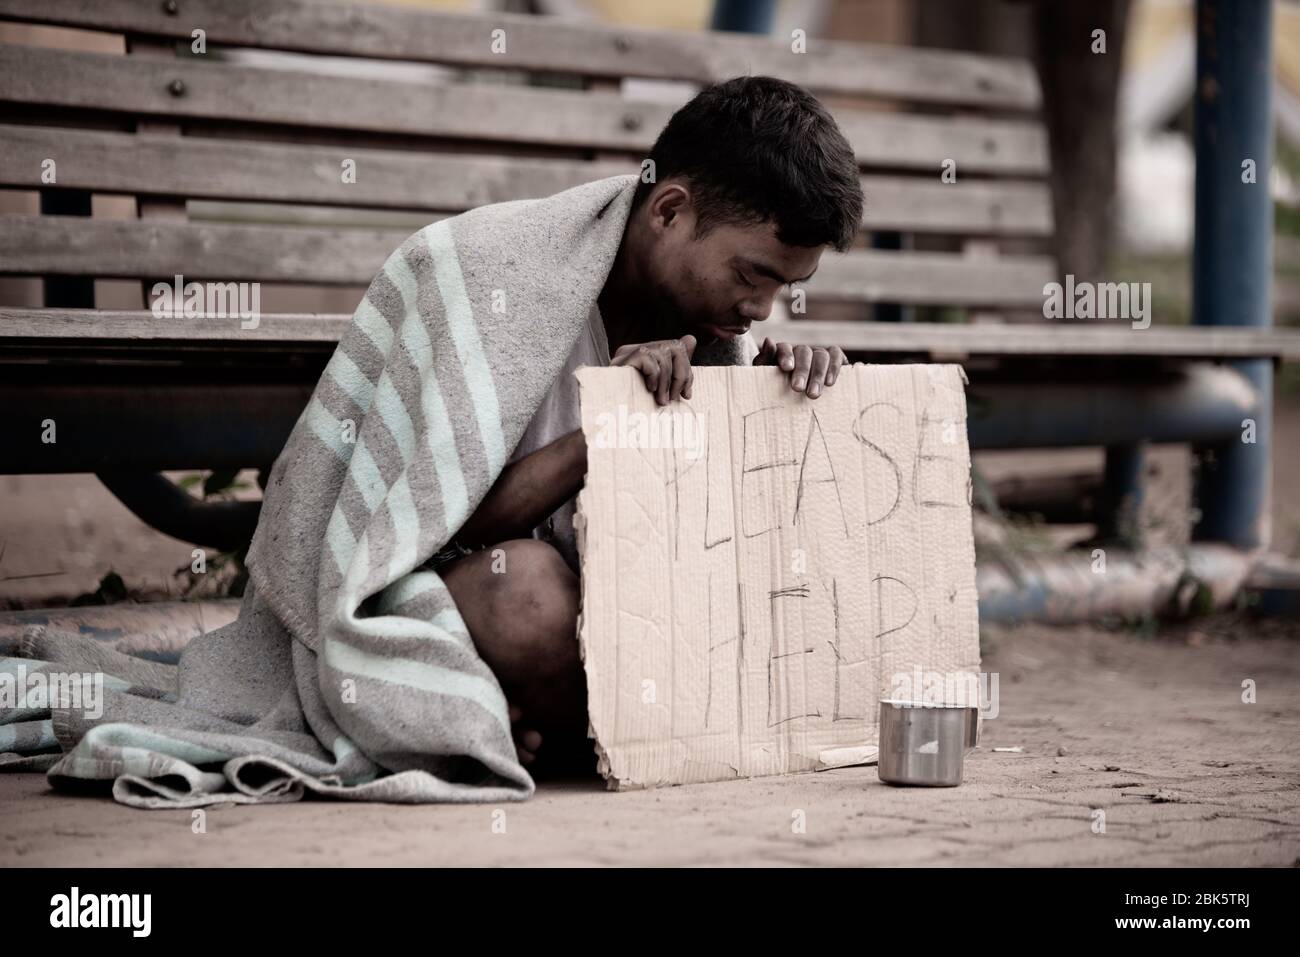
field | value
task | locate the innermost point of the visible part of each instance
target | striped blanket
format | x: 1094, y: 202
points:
x: 349, y: 672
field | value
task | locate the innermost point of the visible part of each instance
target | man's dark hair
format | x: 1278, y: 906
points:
x: 757, y: 149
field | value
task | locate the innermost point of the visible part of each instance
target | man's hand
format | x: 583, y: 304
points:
x: 810, y: 368
x: 665, y: 365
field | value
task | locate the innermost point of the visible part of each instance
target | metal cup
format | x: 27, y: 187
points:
x: 922, y: 744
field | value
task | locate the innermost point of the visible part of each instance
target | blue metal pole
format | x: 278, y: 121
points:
x: 744, y: 16
x: 1232, y: 262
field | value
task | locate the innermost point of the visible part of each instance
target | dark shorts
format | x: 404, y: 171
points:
x: 453, y: 551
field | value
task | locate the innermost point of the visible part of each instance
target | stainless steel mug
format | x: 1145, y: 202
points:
x: 923, y: 744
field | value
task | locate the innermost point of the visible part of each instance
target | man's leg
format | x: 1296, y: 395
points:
x: 523, y: 619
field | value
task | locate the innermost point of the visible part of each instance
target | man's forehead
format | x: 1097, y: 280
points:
x: 759, y: 249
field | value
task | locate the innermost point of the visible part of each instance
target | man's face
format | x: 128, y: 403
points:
x: 714, y: 286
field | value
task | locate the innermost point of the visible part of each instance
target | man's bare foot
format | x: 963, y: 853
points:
x: 528, y: 740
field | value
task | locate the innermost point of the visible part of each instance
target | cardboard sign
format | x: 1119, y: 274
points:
x: 759, y: 569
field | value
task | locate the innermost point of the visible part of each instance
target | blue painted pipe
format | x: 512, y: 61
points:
x: 1085, y: 584
x: 1232, y: 262
x: 1201, y: 403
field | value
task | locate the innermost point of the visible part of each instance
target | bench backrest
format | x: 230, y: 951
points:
x: 238, y: 159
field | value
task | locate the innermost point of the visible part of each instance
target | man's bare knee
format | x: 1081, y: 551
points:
x: 520, y: 601
x: 537, y: 592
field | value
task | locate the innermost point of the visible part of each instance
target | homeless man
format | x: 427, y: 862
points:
x: 752, y: 181
x: 377, y: 655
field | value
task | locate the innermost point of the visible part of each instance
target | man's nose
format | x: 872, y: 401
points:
x: 757, y: 310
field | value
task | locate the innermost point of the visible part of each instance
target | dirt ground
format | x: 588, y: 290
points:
x: 1151, y: 731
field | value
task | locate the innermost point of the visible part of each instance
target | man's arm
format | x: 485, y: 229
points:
x: 527, y: 491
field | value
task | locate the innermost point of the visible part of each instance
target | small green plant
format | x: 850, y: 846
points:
x: 215, y: 484
x: 1144, y: 626
x: 224, y: 574
x: 111, y: 590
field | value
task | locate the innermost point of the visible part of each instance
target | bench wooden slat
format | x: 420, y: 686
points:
x: 509, y: 114
x: 970, y: 206
x: 941, y: 339
x: 66, y: 245
x: 195, y: 167
x: 984, y: 146
x: 933, y: 279
x: 1042, y: 339
x: 108, y: 325
x: 129, y: 249
x: 201, y: 167
x: 546, y: 44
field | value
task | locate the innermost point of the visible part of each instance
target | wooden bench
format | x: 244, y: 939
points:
x: 235, y: 162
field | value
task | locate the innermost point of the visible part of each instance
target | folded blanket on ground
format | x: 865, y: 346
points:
x: 349, y: 672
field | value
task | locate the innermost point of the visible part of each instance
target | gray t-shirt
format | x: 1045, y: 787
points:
x: 557, y: 416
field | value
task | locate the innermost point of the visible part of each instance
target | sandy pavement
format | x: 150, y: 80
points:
x: 1154, y: 734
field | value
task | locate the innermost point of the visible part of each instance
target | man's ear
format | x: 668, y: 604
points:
x: 671, y: 208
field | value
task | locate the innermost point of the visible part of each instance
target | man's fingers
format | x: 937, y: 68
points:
x: 664, y: 383
x: 623, y: 355
x: 821, y: 361
x: 681, y: 370
x: 665, y: 366
x: 766, y: 352
x: 785, y: 356
x: 644, y: 361
x: 655, y: 374
x: 688, y: 347
x: 802, y: 365
x: 837, y: 360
